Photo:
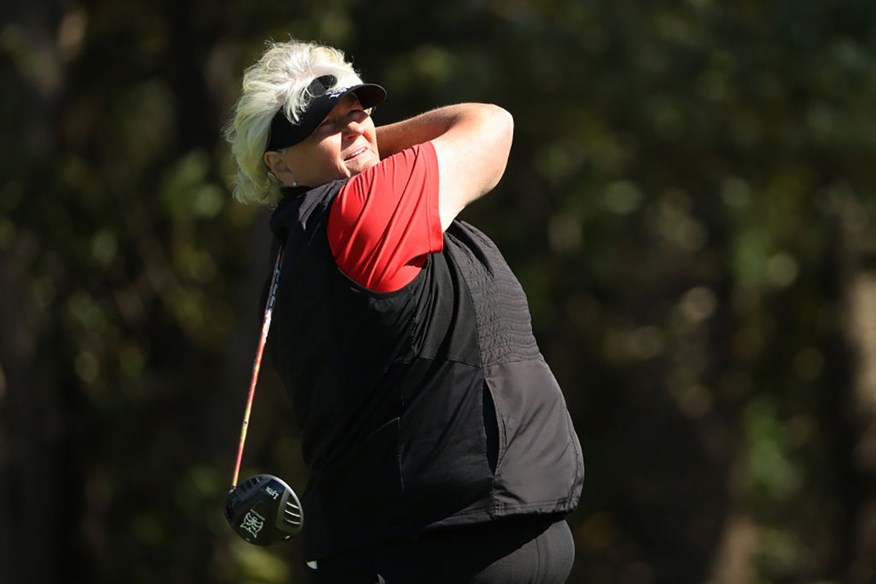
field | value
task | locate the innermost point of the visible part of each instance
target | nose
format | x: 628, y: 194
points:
x: 354, y: 125
x: 353, y: 129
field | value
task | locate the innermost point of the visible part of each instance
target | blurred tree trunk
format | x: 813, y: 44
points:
x: 38, y: 479
x: 35, y: 480
x: 858, y: 276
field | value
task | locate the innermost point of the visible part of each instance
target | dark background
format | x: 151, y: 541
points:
x: 689, y: 205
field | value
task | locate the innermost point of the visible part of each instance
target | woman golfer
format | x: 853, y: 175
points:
x: 438, y: 442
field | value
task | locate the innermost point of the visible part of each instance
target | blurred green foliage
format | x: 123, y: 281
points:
x: 674, y: 206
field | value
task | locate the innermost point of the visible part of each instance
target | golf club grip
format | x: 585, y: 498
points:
x: 263, y: 338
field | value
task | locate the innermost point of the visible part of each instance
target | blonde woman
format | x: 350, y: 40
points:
x: 438, y: 442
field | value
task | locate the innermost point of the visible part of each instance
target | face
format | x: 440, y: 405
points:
x: 343, y: 145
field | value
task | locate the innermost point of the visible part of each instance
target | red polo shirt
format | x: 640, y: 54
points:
x: 385, y: 221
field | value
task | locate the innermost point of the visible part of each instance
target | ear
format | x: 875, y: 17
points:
x: 275, y: 163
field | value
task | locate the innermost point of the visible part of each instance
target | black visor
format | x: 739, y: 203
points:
x: 323, y: 97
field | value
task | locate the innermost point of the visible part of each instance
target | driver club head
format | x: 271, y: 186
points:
x: 264, y: 510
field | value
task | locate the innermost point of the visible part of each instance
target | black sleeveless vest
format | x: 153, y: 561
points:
x: 426, y: 407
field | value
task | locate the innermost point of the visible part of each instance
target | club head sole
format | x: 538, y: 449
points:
x: 264, y: 510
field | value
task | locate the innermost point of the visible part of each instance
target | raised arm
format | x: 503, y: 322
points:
x: 472, y: 142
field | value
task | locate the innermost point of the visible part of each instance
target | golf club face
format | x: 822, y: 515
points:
x: 264, y: 510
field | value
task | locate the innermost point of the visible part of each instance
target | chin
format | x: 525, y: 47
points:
x: 362, y: 166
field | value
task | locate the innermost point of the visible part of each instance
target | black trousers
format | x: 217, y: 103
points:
x: 530, y: 550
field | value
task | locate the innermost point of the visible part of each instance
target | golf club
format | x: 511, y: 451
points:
x: 264, y: 510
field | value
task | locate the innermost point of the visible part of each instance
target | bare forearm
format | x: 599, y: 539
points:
x: 393, y: 138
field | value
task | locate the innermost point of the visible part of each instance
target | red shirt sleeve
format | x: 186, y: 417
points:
x: 385, y: 221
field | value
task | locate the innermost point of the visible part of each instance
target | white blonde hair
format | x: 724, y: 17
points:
x: 279, y: 79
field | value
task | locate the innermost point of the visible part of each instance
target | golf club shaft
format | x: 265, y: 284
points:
x: 266, y: 326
